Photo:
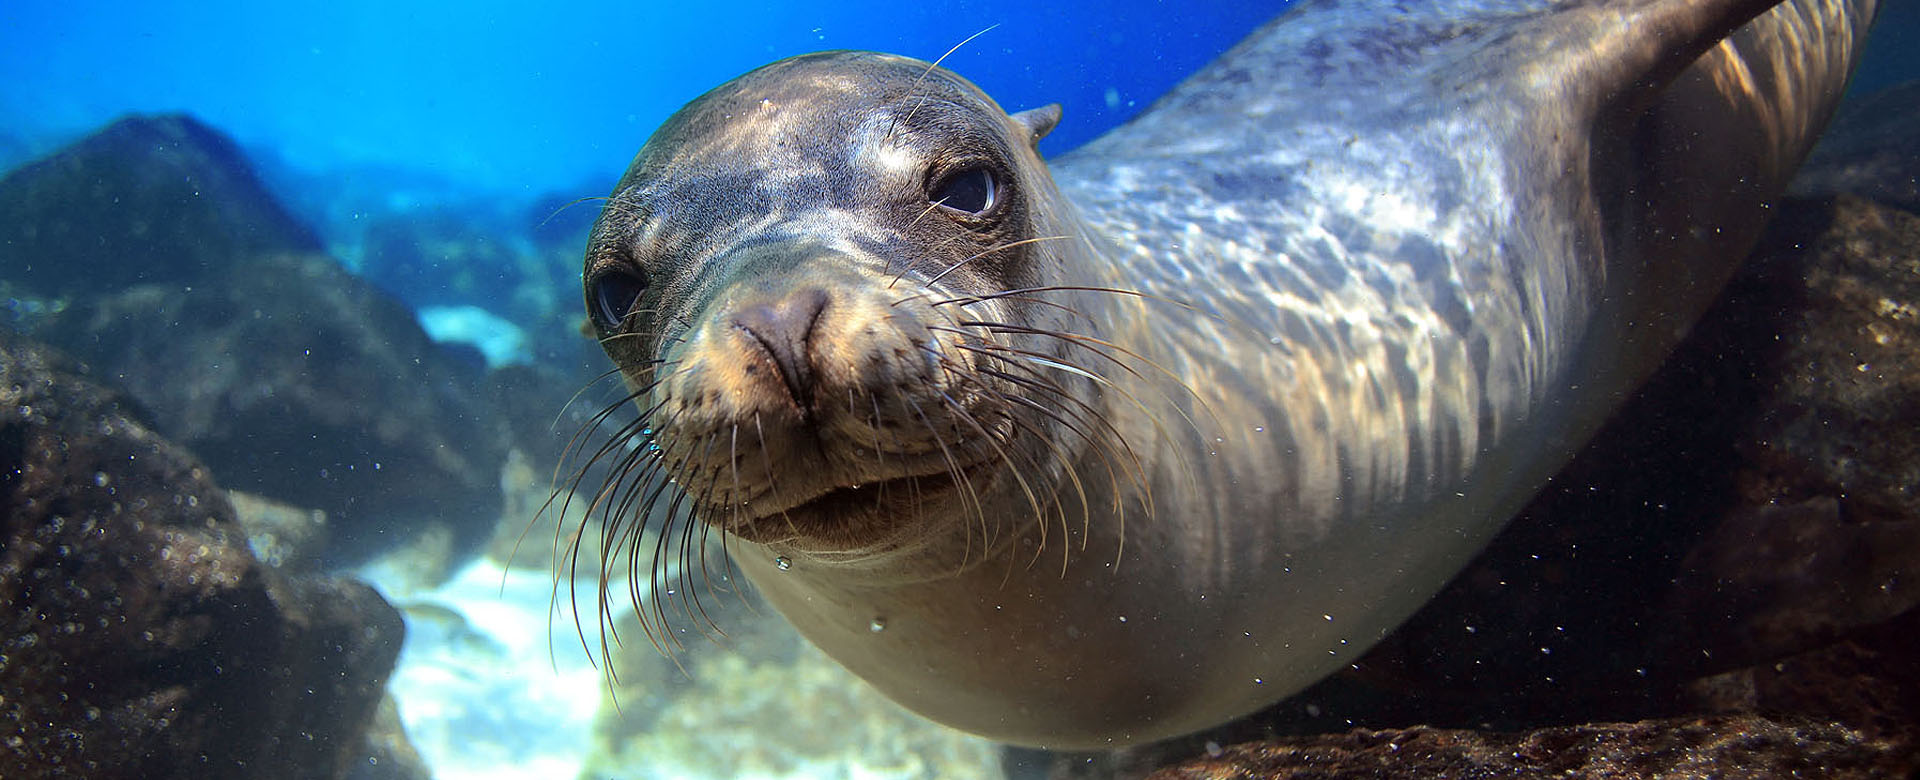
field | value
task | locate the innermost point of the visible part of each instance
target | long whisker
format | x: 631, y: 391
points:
x: 571, y: 204
x: 984, y: 252
x: 914, y: 88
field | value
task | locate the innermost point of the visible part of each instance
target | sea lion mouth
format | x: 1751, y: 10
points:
x: 859, y: 505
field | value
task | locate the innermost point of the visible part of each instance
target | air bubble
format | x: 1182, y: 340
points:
x: 783, y: 563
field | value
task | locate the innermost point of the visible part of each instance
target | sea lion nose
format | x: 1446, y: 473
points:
x: 783, y: 328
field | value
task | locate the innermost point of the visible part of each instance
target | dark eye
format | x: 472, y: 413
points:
x: 612, y: 295
x: 971, y: 190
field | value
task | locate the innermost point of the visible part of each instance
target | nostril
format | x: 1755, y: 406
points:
x: 784, y: 330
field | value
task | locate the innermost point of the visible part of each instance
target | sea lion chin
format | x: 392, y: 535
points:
x: 1136, y: 445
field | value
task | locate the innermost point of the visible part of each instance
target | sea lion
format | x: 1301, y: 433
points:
x: 1131, y: 448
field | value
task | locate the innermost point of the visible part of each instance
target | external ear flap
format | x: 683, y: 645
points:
x: 1039, y: 121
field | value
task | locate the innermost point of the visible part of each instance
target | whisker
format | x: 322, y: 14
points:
x: 984, y: 252
x: 915, y: 86
x: 570, y: 204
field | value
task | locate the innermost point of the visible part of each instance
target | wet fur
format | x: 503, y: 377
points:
x: 1260, y: 373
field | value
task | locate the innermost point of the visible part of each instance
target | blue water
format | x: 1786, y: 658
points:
x: 431, y: 144
x: 519, y: 97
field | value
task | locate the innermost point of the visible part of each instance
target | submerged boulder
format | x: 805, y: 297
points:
x: 139, y: 637
x: 170, y: 272
x: 303, y: 383
x: 162, y: 199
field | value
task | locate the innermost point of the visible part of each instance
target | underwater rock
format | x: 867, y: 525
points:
x: 1871, y: 150
x: 289, y: 376
x: 147, y: 199
x: 303, y: 383
x: 281, y: 535
x: 1734, y: 746
x: 1868, y: 681
x: 141, y: 638
x: 391, y: 756
x: 1822, y: 537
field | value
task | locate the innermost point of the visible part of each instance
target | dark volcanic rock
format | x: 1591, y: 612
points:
x: 141, y: 638
x: 1740, y: 746
x: 301, y: 382
x: 1821, y: 535
x: 189, y: 287
x: 147, y: 199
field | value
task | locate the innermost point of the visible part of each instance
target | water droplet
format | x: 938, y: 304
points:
x: 783, y: 563
x: 1258, y: 681
x: 878, y: 625
x: 100, y: 478
x: 1259, y: 429
x: 1123, y: 618
x: 1214, y: 750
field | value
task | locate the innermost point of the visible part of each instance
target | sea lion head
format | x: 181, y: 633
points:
x: 825, y: 283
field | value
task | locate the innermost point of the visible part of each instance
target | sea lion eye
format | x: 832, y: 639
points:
x: 613, y: 294
x: 970, y: 190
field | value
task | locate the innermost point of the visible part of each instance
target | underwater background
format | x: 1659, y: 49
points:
x: 438, y: 153
x: 499, y: 114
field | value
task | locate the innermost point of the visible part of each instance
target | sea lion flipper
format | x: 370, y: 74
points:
x: 1693, y: 90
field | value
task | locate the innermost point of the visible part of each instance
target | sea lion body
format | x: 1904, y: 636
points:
x: 1282, y: 353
